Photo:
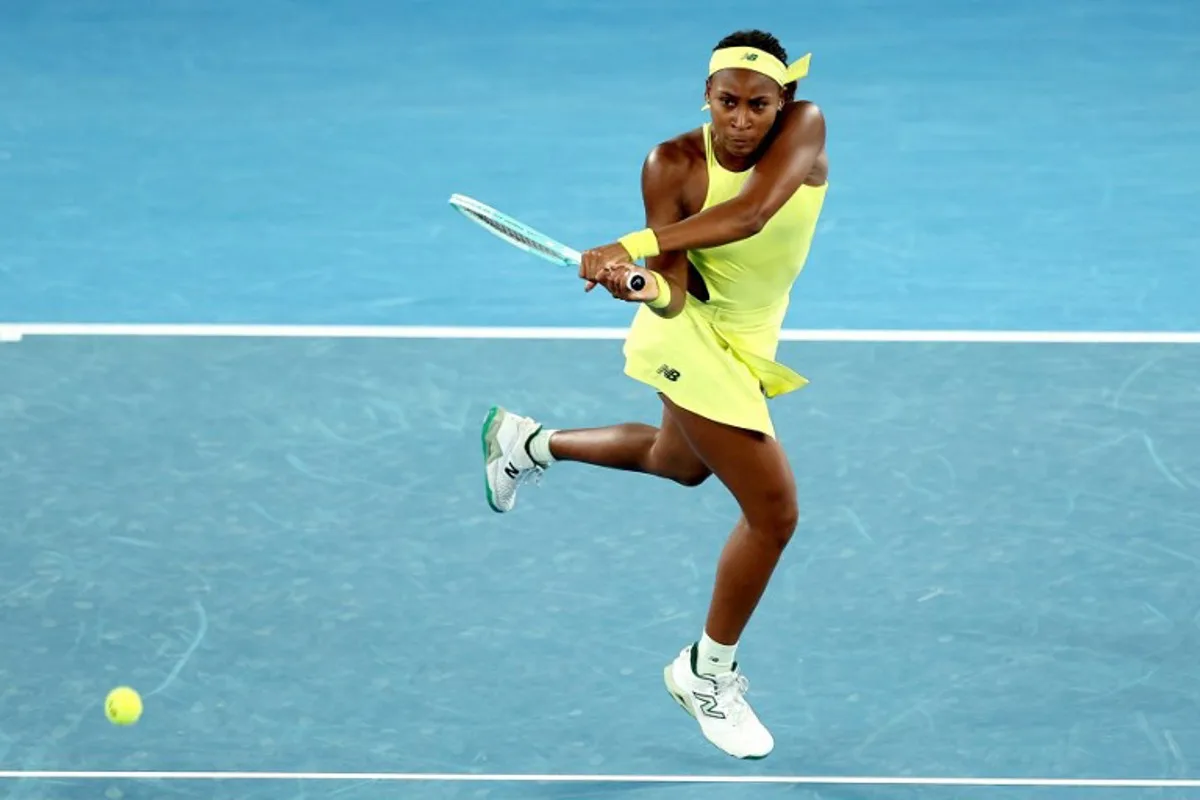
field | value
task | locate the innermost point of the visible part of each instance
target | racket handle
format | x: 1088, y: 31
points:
x: 635, y: 283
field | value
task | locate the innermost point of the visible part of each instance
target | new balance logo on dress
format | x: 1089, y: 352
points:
x: 668, y: 373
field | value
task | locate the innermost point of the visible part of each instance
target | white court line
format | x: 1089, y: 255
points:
x: 458, y: 777
x: 16, y: 331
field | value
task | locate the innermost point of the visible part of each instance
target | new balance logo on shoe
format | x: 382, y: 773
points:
x: 708, y: 705
x: 668, y: 373
x: 510, y: 469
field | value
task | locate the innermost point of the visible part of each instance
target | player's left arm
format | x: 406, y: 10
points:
x: 788, y: 161
x: 782, y: 170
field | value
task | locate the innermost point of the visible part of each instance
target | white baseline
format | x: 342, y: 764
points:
x: 457, y: 777
x: 15, y: 332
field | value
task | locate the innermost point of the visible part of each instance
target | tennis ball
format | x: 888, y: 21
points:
x: 123, y: 706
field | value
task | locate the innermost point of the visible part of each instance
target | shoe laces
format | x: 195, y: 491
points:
x: 731, y: 694
x: 531, y: 475
x: 526, y: 474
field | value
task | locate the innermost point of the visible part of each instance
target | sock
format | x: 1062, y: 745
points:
x: 538, y: 447
x: 713, y: 658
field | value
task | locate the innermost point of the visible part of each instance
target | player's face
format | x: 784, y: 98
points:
x: 744, y: 105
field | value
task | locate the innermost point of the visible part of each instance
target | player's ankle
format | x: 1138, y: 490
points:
x: 538, y: 447
x: 712, y: 657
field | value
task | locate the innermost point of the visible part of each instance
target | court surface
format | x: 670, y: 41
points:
x: 277, y: 531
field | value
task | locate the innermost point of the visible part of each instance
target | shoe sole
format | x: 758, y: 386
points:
x: 674, y: 691
x: 491, y: 451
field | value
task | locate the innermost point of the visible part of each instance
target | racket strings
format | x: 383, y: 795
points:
x: 512, y: 234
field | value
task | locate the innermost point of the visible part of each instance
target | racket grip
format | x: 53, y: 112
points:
x: 635, y: 283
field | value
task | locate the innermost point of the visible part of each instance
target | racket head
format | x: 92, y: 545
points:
x: 515, y: 232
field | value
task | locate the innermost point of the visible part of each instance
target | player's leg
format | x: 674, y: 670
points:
x: 635, y: 447
x: 517, y: 448
x: 704, y: 678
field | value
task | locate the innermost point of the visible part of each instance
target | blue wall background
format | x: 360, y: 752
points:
x: 994, y: 165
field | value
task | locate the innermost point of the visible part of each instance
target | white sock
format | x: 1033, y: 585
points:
x: 714, y: 658
x: 538, y: 447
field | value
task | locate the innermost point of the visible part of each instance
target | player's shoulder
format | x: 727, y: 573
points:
x: 674, y: 159
x: 801, y: 113
x: 801, y: 106
x: 799, y: 126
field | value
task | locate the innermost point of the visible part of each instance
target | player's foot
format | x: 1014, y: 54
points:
x: 506, y: 459
x: 719, y: 704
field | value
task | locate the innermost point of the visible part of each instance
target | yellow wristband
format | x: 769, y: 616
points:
x: 640, y: 244
x: 664, y: 292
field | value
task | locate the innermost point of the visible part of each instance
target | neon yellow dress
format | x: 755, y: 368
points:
x: 717, y: 359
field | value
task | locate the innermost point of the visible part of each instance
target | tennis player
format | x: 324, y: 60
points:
x: 731, y: 209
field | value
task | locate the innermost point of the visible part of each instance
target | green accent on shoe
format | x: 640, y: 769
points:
x: 487, y: 448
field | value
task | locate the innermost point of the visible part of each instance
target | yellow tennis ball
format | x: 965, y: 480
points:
x: 123, y: 706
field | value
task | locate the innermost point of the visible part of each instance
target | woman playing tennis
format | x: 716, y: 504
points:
x: 731, y: 209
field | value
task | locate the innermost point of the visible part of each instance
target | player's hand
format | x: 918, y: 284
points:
x: 594, y: 261
x: 615, y: 279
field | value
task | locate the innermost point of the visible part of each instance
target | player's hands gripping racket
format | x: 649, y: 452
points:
x: 625, y: 282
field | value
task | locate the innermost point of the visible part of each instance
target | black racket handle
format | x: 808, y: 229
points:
x: 635, y: 283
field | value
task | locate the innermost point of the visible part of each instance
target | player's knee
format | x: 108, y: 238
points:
x: 786, y: 518
x: 789, y: 519
x: 777, y: 517
x: 676, y: 466
x: 693, y: 476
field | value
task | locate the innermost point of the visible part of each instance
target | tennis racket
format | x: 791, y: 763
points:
x: 524, y: 237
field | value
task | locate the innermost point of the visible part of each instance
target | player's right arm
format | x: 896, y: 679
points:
x: 665, y: 175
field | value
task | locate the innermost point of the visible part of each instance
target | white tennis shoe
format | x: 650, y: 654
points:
x: 506, y: 459
x: 719, y: 704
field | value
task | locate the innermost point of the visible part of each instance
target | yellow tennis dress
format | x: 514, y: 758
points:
x: 717, y: 358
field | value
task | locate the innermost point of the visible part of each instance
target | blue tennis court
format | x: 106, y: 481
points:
x: 279, y: 534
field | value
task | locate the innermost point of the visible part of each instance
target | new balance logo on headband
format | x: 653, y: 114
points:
x: 750, y: 57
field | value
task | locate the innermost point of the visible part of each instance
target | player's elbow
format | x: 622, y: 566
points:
x: 753, y: 219
x: 756, y: 220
